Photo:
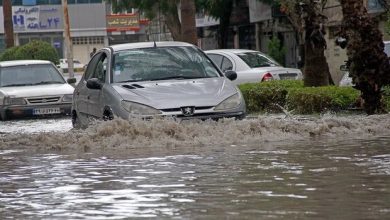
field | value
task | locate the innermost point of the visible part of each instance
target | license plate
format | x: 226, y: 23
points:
x: 46, y: 111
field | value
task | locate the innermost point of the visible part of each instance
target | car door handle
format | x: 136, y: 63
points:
x: 88, y: 96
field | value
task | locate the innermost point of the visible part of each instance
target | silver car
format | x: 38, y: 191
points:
x: 155, y: 79
x: 31, y: 88
x: 252, y: 66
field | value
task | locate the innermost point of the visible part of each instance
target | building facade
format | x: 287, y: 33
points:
x: 92, y: 25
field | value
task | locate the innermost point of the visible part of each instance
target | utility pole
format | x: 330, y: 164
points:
x: 8, y: 25
x: 68, y: 41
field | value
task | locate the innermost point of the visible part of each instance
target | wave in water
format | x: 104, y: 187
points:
x: 157, y: 133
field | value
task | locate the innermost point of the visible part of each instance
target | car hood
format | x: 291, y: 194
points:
x: 38, y: 90
x: 178, y: 93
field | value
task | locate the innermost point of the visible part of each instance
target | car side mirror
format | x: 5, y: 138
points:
x: 230, y: 74
x: 71, y: 80
x: 343, y: 68
x: 94, y: 83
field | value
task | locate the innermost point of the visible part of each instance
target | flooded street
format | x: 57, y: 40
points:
x: 327, y: 167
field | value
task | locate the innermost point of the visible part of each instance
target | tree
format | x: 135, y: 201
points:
x: 308, y: 21
x: 188, y: 24
x: 152, y: 9
x: 8, y: 25
x: 368, y: 63
x: 221, y: 10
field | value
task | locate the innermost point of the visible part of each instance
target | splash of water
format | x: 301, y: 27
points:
x: 171, y: 134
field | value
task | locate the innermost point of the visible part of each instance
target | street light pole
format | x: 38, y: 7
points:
x: 68, y: 42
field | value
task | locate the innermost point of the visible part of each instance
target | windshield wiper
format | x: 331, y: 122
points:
x: 176, y: 77
x: 126, y: 81
x: 18, y: 84
x: 48, y: 82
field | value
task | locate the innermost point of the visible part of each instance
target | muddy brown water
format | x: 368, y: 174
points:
x: 268, y: 167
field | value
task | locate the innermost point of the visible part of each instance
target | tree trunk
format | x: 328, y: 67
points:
x: 368, y: 64
x: 8, y: 25
x: 316, y: 69
x: 224, y: 23
x: 173, y: 23
x: 188, y: 24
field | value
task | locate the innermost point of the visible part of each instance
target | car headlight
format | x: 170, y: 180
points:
x: 139, y: 109
x: 230, y: 103
x: 14, y: 101
x: 67, y: 98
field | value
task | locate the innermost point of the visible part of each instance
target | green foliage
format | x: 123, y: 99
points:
x: 386, y: 97
x: 310, y: 100
x: 35, y: 50
x: 292, y: 95
x: 268, y: 96
x: 276, y: 51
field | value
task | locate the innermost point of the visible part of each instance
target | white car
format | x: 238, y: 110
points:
x: 32, y: 88
x: 78, y: 67
x: 252, y: 66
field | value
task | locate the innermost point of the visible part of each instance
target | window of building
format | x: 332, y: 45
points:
x: 87, y: 40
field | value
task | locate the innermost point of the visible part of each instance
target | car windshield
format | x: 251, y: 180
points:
x: 255, y: 59
x: 161, y: 63
x: 26, y: 75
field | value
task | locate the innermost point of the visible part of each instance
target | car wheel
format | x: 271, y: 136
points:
x: 107, y: 115
x: 76, y: 123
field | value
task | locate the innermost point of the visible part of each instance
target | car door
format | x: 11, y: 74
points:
x: 81, y: 94
x: 95, y: 99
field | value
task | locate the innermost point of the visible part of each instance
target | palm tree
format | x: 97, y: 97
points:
x: 8, y: 25
x: 188, y: 24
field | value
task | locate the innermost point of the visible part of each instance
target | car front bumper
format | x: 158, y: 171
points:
x: 32, y: 111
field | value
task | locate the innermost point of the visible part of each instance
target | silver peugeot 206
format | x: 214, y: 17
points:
x: 155, y: 79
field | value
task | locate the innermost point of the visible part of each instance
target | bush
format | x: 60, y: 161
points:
x: 386, y: 97
x: 310, y: 100
x: 269, y: 96
x: 35, y: 50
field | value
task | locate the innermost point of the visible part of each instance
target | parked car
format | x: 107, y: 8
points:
x: 252, y: 66
x: 155, y: 79
x: 346, y: 80
x: 78, y: 67
x: 33, y: 88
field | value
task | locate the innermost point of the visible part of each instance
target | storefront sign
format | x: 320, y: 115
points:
x: 126, y: 22
x: 33, y: 18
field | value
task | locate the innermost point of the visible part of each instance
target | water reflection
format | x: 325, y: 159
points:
x: 312, y: 179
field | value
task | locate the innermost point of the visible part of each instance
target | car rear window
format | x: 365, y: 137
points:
x: 161, y: 63
x: 254, y: 60
x: 33, y: 74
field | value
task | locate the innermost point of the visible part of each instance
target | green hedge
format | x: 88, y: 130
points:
x: 292, y: 95
x: 35, y: 50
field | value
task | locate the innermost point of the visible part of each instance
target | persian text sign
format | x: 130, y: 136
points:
x: 126, y: 22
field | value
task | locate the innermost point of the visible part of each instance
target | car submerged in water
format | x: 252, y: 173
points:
x: 152, y: 79
x: 33, y: 88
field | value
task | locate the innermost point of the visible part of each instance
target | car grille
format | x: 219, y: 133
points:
x: 43, y: 100
x: 179, y: 109
x: 286, y: 76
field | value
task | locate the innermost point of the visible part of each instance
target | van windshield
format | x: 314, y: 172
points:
x: 161, y: 63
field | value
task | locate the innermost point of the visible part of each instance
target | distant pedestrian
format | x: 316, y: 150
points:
x: 92, y: 53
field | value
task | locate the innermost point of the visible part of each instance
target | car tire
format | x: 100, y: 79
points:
x: 76, y: 122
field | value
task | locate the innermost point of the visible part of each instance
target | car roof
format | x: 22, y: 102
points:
x: 128, y: 46
x: 22, y: 62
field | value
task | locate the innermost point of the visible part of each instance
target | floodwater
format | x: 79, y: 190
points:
x: 270, y: 167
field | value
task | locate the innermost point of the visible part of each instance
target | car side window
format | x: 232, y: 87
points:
x: 226, y: 64
x: 91, y: 67
x: 217, y: 59
x: 100, y: 70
